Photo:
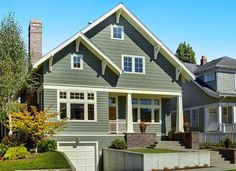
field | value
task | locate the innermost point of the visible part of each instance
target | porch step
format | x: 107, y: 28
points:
x: 218, y: 161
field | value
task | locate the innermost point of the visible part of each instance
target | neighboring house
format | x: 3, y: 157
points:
x: 210, y: 100
x: 106, y: 79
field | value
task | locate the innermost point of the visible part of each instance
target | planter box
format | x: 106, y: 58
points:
x: 229, y: 154
x: 188, y: 139
x: 125, y: 160
x: 140, y: 140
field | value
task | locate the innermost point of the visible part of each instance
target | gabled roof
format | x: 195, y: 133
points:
x: 223, y: 62
x: 89, y: 44
x: 133, y: 20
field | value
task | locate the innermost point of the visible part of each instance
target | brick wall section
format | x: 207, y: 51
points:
x: 35, y: 40
x: 229, y: 154
x: 188, y: 139
x: 140, y: 140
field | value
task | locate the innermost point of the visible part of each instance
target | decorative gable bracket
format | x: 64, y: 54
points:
x: 77, y: 44
x: 50, y: 63
x: 156, y: 51
x: 118, y: 14
x: 104, y: 64
x: 178, y: 72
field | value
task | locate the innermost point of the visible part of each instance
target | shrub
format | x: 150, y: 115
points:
x: 11, y: 141
x: 3, y: 149
x: 47, y: 145
x: 118, y: 144
x: 19, y: 152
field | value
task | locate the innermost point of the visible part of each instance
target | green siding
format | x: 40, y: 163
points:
x: 160, y: 74
x: 50, y: 100
x: 226, y: 82
x: 194, y: 96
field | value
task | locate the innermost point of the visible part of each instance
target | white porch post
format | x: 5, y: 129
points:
x: 129, y: 115
x: 234, y: 114
x: 220, y: 118
x: 179, y: 115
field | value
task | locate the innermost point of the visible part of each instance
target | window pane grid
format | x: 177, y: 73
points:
x: 117, y: 32
x: 128, y: 64
x: 139, y: 65
x: 76, y: 95
x: 76, y: 61
x: 62, y: 95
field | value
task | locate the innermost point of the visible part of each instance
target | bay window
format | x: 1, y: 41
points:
x: 80, y: 106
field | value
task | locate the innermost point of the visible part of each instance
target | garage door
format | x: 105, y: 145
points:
x: 82, y: 156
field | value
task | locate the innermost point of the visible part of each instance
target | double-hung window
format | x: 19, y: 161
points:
x: 80, y: 106
x: 133, y: 64
x: 76, y: 61
x: 117, y: 32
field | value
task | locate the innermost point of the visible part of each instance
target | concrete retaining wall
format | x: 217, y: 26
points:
x: 124, y: 160
x: 121, y: 160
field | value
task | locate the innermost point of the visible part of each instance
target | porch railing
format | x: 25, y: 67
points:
x: 117, y: 126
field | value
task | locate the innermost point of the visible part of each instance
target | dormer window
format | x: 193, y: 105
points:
x: 209, y: 76
x: 76, y: 61
x: 117, y: 32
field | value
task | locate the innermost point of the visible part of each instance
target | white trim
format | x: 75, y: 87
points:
x: 138, y: 25
x: 114, y: 90
x: 118, y: 14
x: 156, y: 50
x: 81, y: 61
x: 84, y: 101
x: 50, y: 63
x: 122, y: 32
x: 133, y: 63
x: 84, y: 142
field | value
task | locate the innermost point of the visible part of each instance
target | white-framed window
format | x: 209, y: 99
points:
x: 146, y: 110
x: 117, y: 32
x: 209, y: 76
x: 77, y: 105
x: 195, y: 118
x: 77, y: 61
x: 133, y: 64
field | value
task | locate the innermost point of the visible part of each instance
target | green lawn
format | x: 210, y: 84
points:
x: 50, y: 160
x: 144, y: 150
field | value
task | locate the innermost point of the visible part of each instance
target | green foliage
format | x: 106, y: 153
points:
x: 18, y: 152
x: 11, y: 141
x: 185, y: 53
x: 3, y: 149
x: 50, y: 160
x: 118, y: 144
x: 47, y: 145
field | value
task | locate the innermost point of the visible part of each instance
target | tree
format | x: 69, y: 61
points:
x: 14, y: 63
x: 185, y: 53
x: 38, y: 125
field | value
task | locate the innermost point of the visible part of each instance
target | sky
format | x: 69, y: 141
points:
x: 209, y: 26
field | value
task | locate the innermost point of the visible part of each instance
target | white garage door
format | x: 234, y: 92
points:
x: 83, y: 156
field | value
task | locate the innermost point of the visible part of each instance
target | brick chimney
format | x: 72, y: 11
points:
x: 203, y: 60
x: 35, y: 40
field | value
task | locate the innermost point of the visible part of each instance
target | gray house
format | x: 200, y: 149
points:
x: 105, y: 80
x: 210, y: 100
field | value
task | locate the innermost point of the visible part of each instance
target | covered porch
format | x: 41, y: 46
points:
x: 127, y: 110
x: 221, y: 118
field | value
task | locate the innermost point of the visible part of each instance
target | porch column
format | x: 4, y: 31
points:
x: 220, y: 118
x: 179, y: 115
x: 129, y: 115
x: 234, y: 114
